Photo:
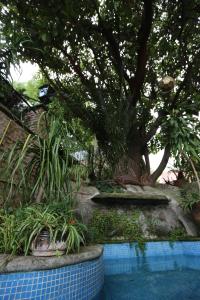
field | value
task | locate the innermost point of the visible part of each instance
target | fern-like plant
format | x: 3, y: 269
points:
x: 42, y: 168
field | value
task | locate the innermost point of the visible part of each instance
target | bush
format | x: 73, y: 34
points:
x: 111, y: 225
x: 190, y: 195
x: 107, y: 187
x: 42, y: 168
x: 20, y: 227
x: 177, y: 234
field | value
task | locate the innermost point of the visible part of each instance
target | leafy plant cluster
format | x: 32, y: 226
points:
x: 42, y: 167
x: 153, y: 226
x: 176, y: 234
x: 30, y: 88
x: 111, y: 225
x: 190, y: 196
x: 18, y: 228
x: 41, y: 170
x: 185, y: 142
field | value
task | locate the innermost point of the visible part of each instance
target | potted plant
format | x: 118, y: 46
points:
x: 40, y: 229
x: 48, y: 232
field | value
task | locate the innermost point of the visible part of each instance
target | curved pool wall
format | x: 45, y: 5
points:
x: 81, y: 277
x: 80, y: 281
x: 117, y: 257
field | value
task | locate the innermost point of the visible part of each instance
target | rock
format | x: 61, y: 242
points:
x: 85, y: 206
x: 174, y: 195
x: 164, y: 218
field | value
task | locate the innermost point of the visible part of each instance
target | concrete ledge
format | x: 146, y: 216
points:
x: 134, y: 198
x: 9, y: 263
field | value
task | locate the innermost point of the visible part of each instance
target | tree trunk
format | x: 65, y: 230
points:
x: 134, y: 168
x: 162, y: 164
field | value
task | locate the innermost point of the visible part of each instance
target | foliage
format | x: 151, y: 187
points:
x: 20, y: 227
x: 30, y: 88
x: 184, y: 164
x: 153, y: 225
x: 9, y: 237
x: 42, y: 168
x: 185, y: 142
x: 107, y: 226
x: 110, y: 225
x: 7, y: 57
x: 177, y: 234
x: 105, y: 58
x: 108, y: 187
x: 189, y: 196
x: 9, y: 97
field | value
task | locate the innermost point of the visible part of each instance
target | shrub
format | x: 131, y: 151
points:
x: 42, y: 168
x: 190, y: 196
x: 177, y: 234
x: 110, y: 225
x: 20, y: 227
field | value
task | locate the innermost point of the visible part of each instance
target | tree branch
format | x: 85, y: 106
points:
x: 147, y: 162
x: 181, y: 86
x: 76, y: 67
x: 152, y: 131
x: 113, y: 47
x: 78, y: 110
x: 107, y: 33
x: 143, y: 36
x: 185, y: 80
x: 162, y: 164
x: 89, y: 83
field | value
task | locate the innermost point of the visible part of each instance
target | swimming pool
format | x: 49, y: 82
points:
x: 165, y: 270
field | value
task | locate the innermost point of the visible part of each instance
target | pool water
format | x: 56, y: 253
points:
x: 165, y: 277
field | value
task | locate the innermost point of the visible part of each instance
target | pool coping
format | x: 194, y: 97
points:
x: 13, y: 264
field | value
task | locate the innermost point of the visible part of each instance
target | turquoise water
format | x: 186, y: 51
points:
x: 152, y: 278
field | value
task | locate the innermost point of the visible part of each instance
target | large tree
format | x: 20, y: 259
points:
x: 105, y: 59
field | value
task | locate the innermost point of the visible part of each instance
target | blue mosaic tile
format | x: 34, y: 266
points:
x: 76, y: 282
x: 84, y: 281
x: 124, y: 259
x: 125, y: 250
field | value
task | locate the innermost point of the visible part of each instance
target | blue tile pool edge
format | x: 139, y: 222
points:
x: 81, y: 281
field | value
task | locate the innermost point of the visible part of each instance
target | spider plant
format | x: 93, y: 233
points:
x: 19, y: 228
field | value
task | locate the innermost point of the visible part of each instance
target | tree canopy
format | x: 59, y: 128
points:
x: 105, y: 59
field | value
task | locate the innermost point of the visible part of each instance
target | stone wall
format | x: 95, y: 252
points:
x: 164, y: 218
x: 15, y: 132
x: 35, y: 121
x: 11, y: 131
